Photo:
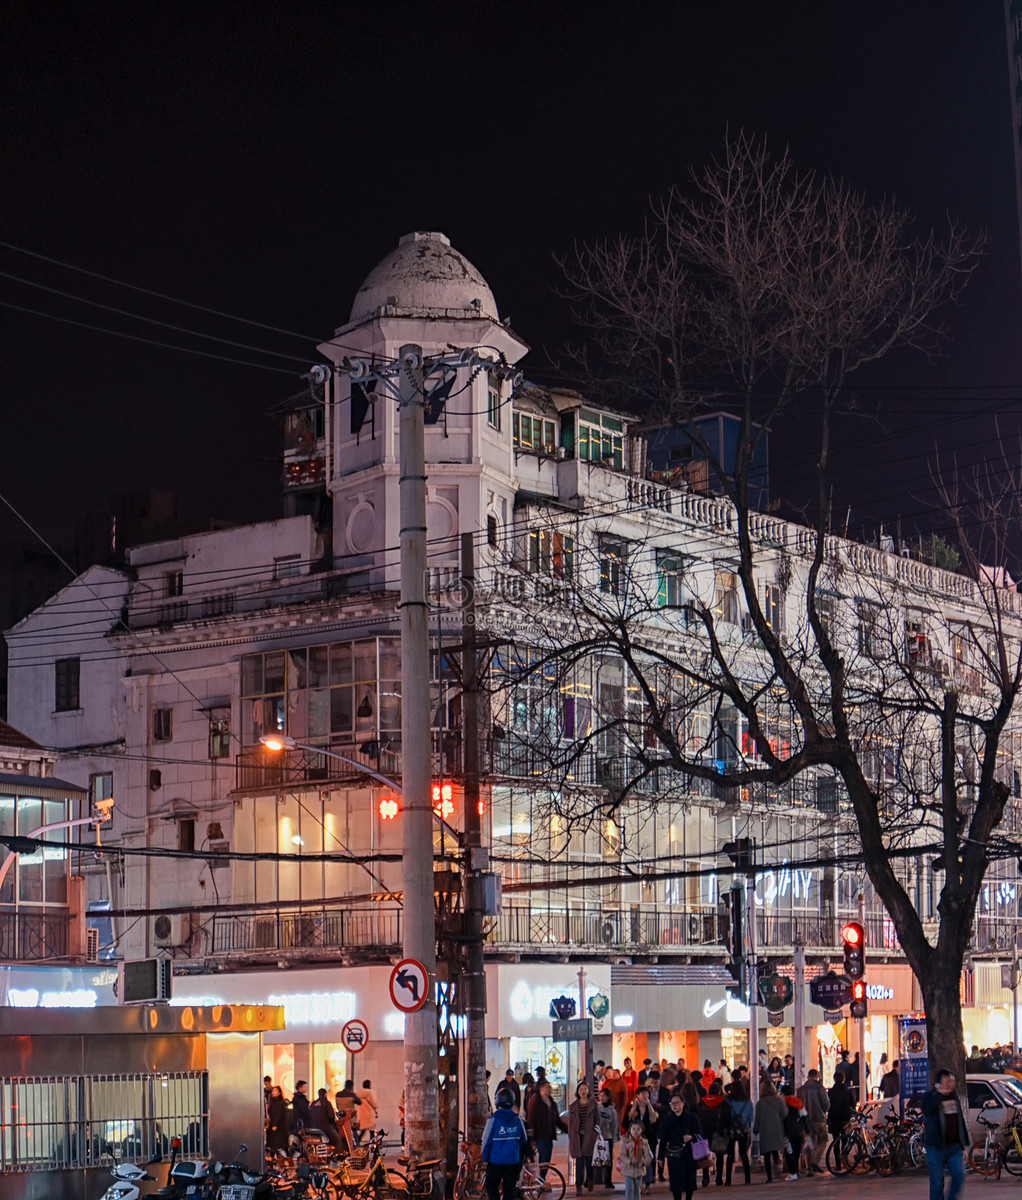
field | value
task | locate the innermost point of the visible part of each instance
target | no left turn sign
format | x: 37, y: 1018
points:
x: 409, y: 985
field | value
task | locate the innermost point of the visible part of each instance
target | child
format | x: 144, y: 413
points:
x: 635, y: 1158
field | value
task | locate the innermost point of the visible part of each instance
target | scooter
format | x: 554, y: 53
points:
x: 186, y: 1177
x: 234, y: 1179
x: 127, y: 1177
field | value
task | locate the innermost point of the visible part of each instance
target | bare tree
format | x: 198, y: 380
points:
x: 760, y: 286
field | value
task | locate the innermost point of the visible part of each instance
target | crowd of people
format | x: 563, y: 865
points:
x: 343, y: 1123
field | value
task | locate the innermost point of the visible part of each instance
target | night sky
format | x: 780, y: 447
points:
x: 260, y: 159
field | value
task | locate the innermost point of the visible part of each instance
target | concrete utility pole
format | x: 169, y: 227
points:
x: 750, y: 924
x: 422, y: 1113
x: 800, y: 1019
x: 474, y: 977
x: 860, y: 1022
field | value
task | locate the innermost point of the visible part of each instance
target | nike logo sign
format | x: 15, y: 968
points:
x: 709, y: 1009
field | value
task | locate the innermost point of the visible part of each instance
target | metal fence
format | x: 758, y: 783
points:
x: 307, y: 928
x: 27, y: 936
x: 56, y: 1122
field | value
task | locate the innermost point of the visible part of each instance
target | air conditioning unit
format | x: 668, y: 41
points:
x: 91, y: 944
x: 171, y: 929
x: 608, y: 929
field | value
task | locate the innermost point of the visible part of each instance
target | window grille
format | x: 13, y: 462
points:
x: 57, y: 1122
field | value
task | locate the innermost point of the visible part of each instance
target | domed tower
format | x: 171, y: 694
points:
x: 423, y: 293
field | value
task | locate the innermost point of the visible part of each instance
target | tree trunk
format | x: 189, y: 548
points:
x: 942, y: 1001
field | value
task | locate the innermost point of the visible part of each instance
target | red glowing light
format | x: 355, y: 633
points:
x: 852, y: 935
x: 389, y: 808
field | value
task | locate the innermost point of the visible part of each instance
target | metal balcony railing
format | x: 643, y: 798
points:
x: 309, y: 928
x: 30, y: 936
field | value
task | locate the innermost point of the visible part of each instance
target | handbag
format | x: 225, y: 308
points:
x: 601, y: 1151
x: 700, y: 1149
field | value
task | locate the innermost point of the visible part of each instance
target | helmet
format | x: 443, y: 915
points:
x: 505, y: 1098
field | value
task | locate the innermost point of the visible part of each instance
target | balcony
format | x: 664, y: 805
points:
x: 309, y: 928
x: 33, y: 936
x: 258, y: 767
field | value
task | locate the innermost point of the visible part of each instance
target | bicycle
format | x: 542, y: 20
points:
x: 379, y: 1182
x: 536, y: 1181
x: 987, y: 1159
x: 468, y: 1182
x: 426, y: 1179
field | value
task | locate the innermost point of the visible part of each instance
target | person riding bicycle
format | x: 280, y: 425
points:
x: 505, y: 1145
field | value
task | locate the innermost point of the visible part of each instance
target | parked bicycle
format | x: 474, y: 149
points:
x: 999, y: 1150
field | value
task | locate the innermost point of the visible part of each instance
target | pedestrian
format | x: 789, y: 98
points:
x: 644, y: 1111
x: 636, y: 1159
x: 323, y: 1118
x: 510, y: 1084
x: 945, y: 1135
x: 543, y: 1121
x: 775, y: 1073
x: 817, y: 1104
x: 278, y: 1128
x: 742, y: 1115
x: 890, y: 1082
x: 369, y: 1109
x: 795, y: 1129
x: 582, y: 1125
x: 715, y: 1122
x: 842, y: 1105
x: 610, y: 1128
x: 505, y: 1144
x: 708, y: 1075
x: 630, y: 1078
x: 789, y: 1071
x: 300, y: 1106
x: 677, y: 1130
x: 647, y: 1063
x: 348, y: 1105
x: 528, y: 1091
x: 769, y: 1124
x: 614, y: 1084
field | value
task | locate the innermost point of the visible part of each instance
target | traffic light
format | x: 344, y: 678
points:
x: 857, y: 1008
x: 853, y: 937
x: 443, y: 800
x: 733, y: 904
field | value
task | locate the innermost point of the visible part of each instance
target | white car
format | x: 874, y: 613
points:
x: 1005, y: 1093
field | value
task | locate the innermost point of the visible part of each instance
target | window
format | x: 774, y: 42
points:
x: 540, y: 551
x: 186, y: 834
x: 613, y: 554
x: 493, y: 406
x: 826, y: 606
x: 174, y: 583
x: 288, y: 566
x: 868, y: 639
x: 101, y: 787
x: 491, y: 530
x: 533, y: 433
x: 917, y: 646
x: 564, y: 556
x: 725, y: 596
x: 600, y: 438
x: 219, y: 605
x: 219, y: 738
x: 67, y: 679
x: 163, y: 724
x: 670, y: 572
x: 773, y: 607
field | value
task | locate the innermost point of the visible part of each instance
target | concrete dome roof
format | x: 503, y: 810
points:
x: 424, y: 275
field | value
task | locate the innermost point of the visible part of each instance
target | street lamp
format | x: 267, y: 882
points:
x: 281, y: 741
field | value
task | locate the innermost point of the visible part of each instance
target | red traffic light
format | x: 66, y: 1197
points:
x: 853, y: 934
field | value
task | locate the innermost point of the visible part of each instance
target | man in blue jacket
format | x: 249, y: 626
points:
x: 505, y: 1144
x: 945, y: 1134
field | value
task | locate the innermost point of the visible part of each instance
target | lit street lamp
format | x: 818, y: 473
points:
x: 280, y: 741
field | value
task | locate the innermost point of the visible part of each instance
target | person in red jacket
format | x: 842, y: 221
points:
x: 630, y: 1078
x: 714, y: 1114
x: 708, y: 1074
x: 613, y: 1083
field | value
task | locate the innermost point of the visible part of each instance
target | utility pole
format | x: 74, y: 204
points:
x: 422, y: 1115
x: 750, y: 925
x: 800, y: 1020
x: 861, y: 1021
x: 474, y: 975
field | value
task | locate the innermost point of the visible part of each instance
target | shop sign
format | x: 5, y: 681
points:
x: 307, y: 1008
x: 877, y: 991
x: 776, y: 992
x: 735, y: 1012
x: 830, y: 991
x: 527, y: 1002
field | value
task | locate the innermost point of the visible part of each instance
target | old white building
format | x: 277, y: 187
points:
x: 154, y: 684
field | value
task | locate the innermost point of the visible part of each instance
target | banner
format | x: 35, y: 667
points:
x: 914, y: 1070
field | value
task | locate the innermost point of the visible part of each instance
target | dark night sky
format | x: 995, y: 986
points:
x: 260, y: 159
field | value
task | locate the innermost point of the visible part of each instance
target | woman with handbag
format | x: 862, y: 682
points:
x: 603, y: 1154
x: 679, y: 1129
x: 715, y: 1120
x: 582, y: 1126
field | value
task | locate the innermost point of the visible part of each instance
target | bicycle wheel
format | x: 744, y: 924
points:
x: 984, y: 1159
x: 857, y: 1156
x: 1011, y: 1159
x: 468, y: 1181
x: 884, y: 1159
x: 917, y: 1150
x: 533, y: 1187
x: 835, y: 1159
